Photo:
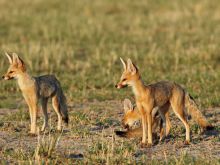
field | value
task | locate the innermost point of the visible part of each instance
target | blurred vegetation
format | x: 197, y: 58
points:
x: 81, y: 42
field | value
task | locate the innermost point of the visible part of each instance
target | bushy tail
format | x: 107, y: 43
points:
x: 62, y: 105
x: 134, y: 133
x: 192, y: 109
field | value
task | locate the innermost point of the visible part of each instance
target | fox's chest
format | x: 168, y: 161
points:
x: 26, y: 84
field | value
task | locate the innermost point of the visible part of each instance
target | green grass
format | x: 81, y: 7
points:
x: 81, y: 41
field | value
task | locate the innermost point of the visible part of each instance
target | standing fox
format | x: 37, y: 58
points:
x: 132, y: 115
x: 159, y: 95
x: 35, y: 89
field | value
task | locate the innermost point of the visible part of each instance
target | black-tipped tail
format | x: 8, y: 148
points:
x: 62, y: 105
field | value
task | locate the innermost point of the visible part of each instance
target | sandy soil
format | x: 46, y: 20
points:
x: 14, y: 135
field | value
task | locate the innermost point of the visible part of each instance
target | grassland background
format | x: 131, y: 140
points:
x: 80, y: 41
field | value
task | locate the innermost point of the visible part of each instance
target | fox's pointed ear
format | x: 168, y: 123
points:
x: 127, y: 105
x: 9, y: 57
x: 17, y: 60
x: 131, y: 67
x: 124, y: 65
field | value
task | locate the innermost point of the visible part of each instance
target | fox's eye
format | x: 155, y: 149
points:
x: 124, y: 79
x: 11, y: 72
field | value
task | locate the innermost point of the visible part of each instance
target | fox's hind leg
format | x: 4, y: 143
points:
x: 165, y: 122
x: 168, y: 123
x: 44, y: 109
x: 178, y: 106
x: 56, y: 107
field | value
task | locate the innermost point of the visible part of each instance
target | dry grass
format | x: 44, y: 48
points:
x: 81, y: 41
x: 90, y: 139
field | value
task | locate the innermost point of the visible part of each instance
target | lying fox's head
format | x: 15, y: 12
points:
x: 129, y: 75
x: 16, y: 67
x: 131, y: 114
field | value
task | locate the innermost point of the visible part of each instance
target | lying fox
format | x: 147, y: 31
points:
x: 159, y: 95
x: 132, y: 115
x: 35, y: 89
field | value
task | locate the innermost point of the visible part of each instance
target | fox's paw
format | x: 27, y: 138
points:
x: 145, y: 145
x: 186, y: 142
x: 162, y: 138
x: 149, y: 145
x: 31, y: 134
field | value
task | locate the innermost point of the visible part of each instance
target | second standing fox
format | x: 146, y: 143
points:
x: 159, y: 95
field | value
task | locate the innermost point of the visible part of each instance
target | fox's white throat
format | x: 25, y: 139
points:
x: 25, y: 81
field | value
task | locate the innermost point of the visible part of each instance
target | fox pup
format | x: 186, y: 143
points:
x: 158, y: 95
x: 37, y: 89
x: 132, y: 115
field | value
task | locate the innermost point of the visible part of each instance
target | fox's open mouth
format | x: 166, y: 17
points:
x: 8, y: 78
x: 11, y: 78
x: 121, y: 86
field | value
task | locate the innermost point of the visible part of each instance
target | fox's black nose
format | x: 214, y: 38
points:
x: 126, y: 126
x: 3, y: 77
x: 116, y: 86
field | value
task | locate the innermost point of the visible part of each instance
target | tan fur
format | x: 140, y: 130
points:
x: 133, y: 133
x: 37, y: 89
x: 192, y: 109
x: 132, y: 115
x: 154, y: 95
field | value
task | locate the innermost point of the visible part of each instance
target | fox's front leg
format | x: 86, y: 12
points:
x: 33, y: 114
x: 144, y: 122
x: 31, y: 117
x: 148, y: 108
x: 30, y: 107
x: 34, y: 119
x: 149, y: 128
x: 144, y: 126
x: 31, y: 100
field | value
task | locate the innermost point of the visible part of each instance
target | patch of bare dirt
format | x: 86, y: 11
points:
x: 14, y: 134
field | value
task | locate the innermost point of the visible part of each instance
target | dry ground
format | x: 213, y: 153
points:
x: 90, y: 139
x: 80, y: 41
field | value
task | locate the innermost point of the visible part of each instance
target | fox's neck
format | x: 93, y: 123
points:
x: 138, y: 87
x: 25, y: 81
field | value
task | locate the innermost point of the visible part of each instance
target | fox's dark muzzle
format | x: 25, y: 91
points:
x: 126, y: 126
x: 7, y: 78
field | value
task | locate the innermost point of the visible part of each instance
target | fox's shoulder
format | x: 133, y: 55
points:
x: 164, y: 85
x: 161, y: 84
x: 46, y: 77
